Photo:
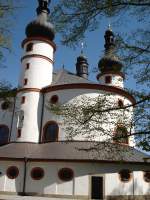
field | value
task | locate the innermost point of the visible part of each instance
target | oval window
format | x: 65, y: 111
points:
x: 37, y: 173
x: 125, y: 175
x: 51, y: 132
x: 5, y: 105
x: 66, y: 174
x: 147, y: 176
x: 54, y: 99
x: 12, y: 172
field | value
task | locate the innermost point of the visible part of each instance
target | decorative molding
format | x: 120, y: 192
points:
x: 110, y: 72
x: 37, y: 56
x: 28, y: 90
x: 39, y: 39
x: 107, y: 88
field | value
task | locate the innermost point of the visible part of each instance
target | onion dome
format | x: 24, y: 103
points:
x: 41, y: 27
x: 110, y: 61
x: 82, y: 66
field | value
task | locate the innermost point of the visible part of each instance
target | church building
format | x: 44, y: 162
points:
x: 36, y: 157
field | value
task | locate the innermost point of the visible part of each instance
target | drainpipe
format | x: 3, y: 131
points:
x: 24, y: 177
x: 133, y: 185
x: 41, y: 124
x: 12, y: 120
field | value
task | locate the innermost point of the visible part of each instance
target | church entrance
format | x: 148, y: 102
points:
x: 97, y: 190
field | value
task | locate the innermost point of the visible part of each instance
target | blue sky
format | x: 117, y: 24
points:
x: 64, y: 55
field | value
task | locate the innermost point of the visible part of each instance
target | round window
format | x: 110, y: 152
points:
x: 147, y: 176
x: 37, y: 173
x: 125, y: 175
x: 5, y: 105
x: 65, y: 174
x: 12, y: 172
x: 54, y: 99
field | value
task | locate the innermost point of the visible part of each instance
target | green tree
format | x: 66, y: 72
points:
x: 74, y: 18
x: 8, y: 10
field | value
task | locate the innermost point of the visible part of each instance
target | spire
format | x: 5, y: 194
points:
x: 41, y: 27
x: 110, y: 61
x: 109, y: 39
x: 82, y: 64
x: 43, y: 7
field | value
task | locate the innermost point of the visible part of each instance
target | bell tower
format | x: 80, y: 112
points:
x: 36, y: 73
x: 110, y: 65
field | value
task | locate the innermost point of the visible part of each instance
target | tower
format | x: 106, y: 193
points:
x: 82, y: 66
x: 109, y: 65
x: 36, y: 73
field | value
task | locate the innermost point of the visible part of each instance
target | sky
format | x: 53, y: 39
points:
x: 93, y: 50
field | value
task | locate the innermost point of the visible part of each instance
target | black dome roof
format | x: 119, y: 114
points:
x: 37, y: 28
x: 41, y: 27
x: 110, y: 61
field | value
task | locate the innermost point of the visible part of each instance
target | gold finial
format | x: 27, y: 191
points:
x: 109, y: 27
x: 82, y: 47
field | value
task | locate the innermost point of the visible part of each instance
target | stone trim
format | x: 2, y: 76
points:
x: 37, y: 56
x: 111, y: 72
x: 38, y: 39
x: 111, y: 89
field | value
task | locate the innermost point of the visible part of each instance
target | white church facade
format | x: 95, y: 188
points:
x: 36, y: 157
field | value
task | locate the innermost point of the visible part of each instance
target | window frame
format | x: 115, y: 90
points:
x: 130, y: 173
x: 4, y: 125
x: 29, y: 47
x: 10, y: 168
x: 38, y: 169
x: 108, y: 77
x: 115, y: 134
x: 44, y: 132
x: 144, y: 176
x: 65, y: 179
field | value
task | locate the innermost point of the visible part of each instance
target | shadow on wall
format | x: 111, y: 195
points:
x: 135, y: 189
x: 50, y: 183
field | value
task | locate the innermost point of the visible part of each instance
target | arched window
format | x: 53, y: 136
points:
x: 29, y: 47
x: 121, y: 135
x: 120, y: 103
x: 50, y: 133
x: 4, y: 134
x: 108, y: 79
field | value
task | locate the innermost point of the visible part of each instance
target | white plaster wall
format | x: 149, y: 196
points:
x: 39, y: 74
x: 67, y: 96
x: 117, y: 80
x: 32, y: 116
x: 141, y: 187
x: 40, y: 48
x: 7, y: 184
x: 81, y: 184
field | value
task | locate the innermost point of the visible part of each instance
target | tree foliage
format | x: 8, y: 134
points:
x: 74, y: 18
x: 7, y: 9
